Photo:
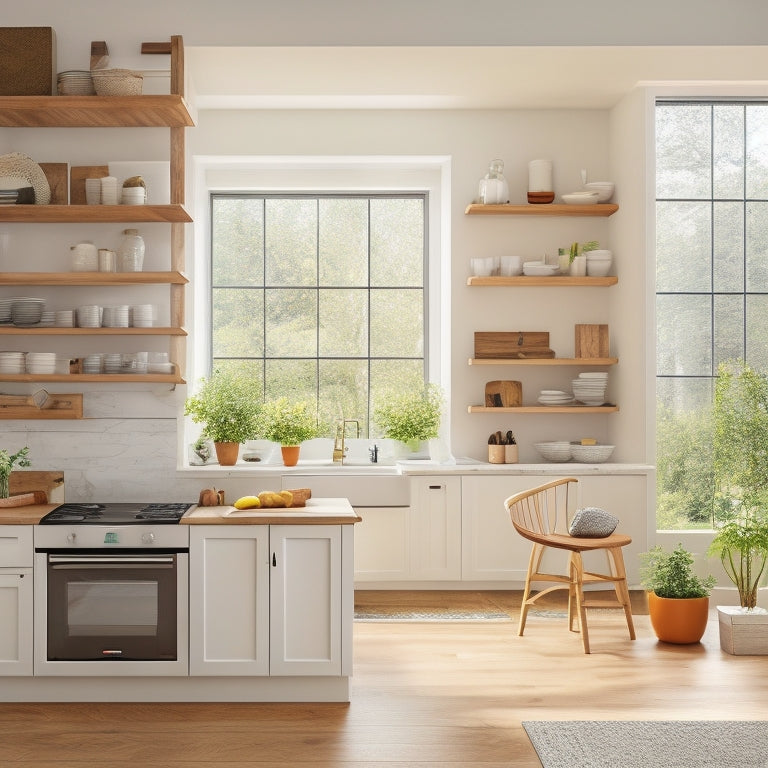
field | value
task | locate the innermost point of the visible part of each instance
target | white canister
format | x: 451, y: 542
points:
x: 107, y: 260
x: 579, y: 266
x: 85, y: 257
x: 540, y: 176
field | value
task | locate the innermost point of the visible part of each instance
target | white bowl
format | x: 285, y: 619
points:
x: 604, y: 190
x: 591, y: 454
x: 599, y: 253
x: 581, y: 198
x: 539, y: 268
x: 558, y: 450
x: 598, y: 267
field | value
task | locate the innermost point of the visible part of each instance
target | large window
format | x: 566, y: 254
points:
x: 321, y: 297
x: 711, y: 283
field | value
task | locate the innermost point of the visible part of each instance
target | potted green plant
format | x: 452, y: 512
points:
x: 228, y: 405
x: 7, y: 463
x: 290, y: 424
x: 678, y: 599
x: 740, y: 449
x: 411, y: 418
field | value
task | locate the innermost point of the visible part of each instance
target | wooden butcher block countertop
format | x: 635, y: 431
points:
x: 316, y: 512
x: 29, y: 515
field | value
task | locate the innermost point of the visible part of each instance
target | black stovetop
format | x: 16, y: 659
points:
x: 116, y: 512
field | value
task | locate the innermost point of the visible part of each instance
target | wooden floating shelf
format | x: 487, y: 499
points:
x: 64, y: 406
x: 545, y: 361
x: 92, y: 278
x: 547, y: 209
x: 94, y: 214
x: 150, y: 111
x: 570, y: 409
x: 531, y: 280
x: 10, y: 330
x: 144, y: 378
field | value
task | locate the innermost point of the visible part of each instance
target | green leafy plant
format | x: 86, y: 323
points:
x: 411, y: 417
x: 671, y: 574
x: 228, y: 405
x: 288, y: 423
x: 740, y: 446
x: 7, y: 463
x: 577, y: 249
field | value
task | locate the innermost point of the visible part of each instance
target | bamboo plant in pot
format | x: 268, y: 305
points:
x: 678, y: 599
x: 290, y: 424
x: 740, y: 447
x: 228, y: 405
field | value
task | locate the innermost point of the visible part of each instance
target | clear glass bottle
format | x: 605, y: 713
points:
x: 130, y: 254
x: 493, y: 186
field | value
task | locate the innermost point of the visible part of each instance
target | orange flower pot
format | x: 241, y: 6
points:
x: 227, y: 453
x: 678, y: 620
x: 290, y: 454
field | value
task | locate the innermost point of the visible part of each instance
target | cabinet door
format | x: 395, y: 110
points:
x: 229, y: 600
x: 436, y: 528
x: 306, y: 600
x: 16, y: 546
x: 382, y: 544
x: 15, y: 621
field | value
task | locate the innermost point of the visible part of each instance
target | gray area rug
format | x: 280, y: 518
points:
x: 427, y: 615
x: 647, y: 743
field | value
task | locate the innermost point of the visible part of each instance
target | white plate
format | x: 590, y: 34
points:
x: 581, y: 198
x: 539, y: 270
x: 19, y: 165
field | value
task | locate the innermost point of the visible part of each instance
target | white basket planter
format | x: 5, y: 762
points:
x: 743, y: 633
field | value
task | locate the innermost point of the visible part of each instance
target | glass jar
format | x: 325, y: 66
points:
x: 493, y: 186
x: 130, y: 254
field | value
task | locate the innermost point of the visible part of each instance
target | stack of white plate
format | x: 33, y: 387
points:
x: 41, y: 362
x: 26, y: 311
x: 93, y: 364
x: 5, y: 310
x: 89, y: 316
x: 48, y: 318
x: 116, y: 317
x: 113, y: 362
x: 141, y: 315
x: 589, y: 388
x: 555, y: 397
x: 12, y: 362
x: 64, y: 318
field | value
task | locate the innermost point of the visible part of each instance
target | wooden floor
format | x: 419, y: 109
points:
x: 423, y: 695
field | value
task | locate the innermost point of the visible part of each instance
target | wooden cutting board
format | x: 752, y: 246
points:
x: 57, y: 175
x: 28, y: 481
x: 503, y: 394
x: 512, y: 344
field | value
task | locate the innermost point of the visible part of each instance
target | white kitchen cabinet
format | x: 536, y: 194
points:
x: 271, y: 600
x: 494, y: 551
x: 16, y: 558
x: 229, y: 600
x: 383, y: 544
x: 306, y: 600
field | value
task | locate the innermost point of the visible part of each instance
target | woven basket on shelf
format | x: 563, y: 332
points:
x: 117, y: 82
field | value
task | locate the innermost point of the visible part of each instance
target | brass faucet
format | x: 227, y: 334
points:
x: 339, y: 443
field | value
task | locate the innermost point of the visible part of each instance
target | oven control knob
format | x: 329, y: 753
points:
x: 148, y: 537
x: 71, y: 537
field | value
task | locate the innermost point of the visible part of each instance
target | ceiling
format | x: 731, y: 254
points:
x: 564, y: 77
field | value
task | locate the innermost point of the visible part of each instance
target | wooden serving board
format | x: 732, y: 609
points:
x: 77, y: 176
x: 512, y: 344
x: 57, y: 175
x: 59, y: 406
x: 25, y: 499
x: 504, y: 394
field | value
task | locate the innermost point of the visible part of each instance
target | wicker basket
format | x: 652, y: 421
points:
x: 117, y: 82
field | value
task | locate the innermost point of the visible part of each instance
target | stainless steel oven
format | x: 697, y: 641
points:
x: 111, y: 592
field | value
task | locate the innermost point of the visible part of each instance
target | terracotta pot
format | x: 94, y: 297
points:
x: 227, y: 453
x: 290, y: 454
x: 678, y: 621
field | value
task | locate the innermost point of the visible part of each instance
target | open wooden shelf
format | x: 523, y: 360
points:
x: 151, y: 111
x: 544, y: 361
x: 144, y: 378
x: 94, y: 214
x: 548, y: 280
x: 10, y: 330
x: 549, y: 209
x: 93, y: 278
x: 570, y: 409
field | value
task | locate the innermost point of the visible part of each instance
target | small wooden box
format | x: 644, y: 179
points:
x: 29, y: 61
x: 592, y: 341
x: 501, y: 345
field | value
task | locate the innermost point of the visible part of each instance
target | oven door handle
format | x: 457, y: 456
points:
x: 64, y: 561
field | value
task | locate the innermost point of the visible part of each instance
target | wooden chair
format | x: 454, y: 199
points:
x: 541, y: 515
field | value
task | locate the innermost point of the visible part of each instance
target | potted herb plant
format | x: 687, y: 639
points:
x: 290, y: 424
x: 740, y: 449
x: 228, y: 406
x: 7, y: 463
x: 678, y: 599
x: 411, y: 418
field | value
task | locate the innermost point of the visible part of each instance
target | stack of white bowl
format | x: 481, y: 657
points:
x: 64, y: 318
x: 93, y: 364
x: 141, y: 315
x: 116, y: 317
x: 12, y: 362
x: 27, y: 311
x: 5, y: 310
x: 113, y: 362
x: 89, y: 316
x: 589, y: 388
x: 41, y: 362
x: 554, y: 397
x: 604, y: 190
x: 134, y: 196
x: 599, y: 262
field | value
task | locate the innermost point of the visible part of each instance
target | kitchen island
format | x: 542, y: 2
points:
x: 266, y: 603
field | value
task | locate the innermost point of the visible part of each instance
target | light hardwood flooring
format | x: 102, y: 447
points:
x: 423, y: 695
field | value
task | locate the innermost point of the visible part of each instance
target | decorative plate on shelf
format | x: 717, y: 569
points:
x: 17, y: 165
